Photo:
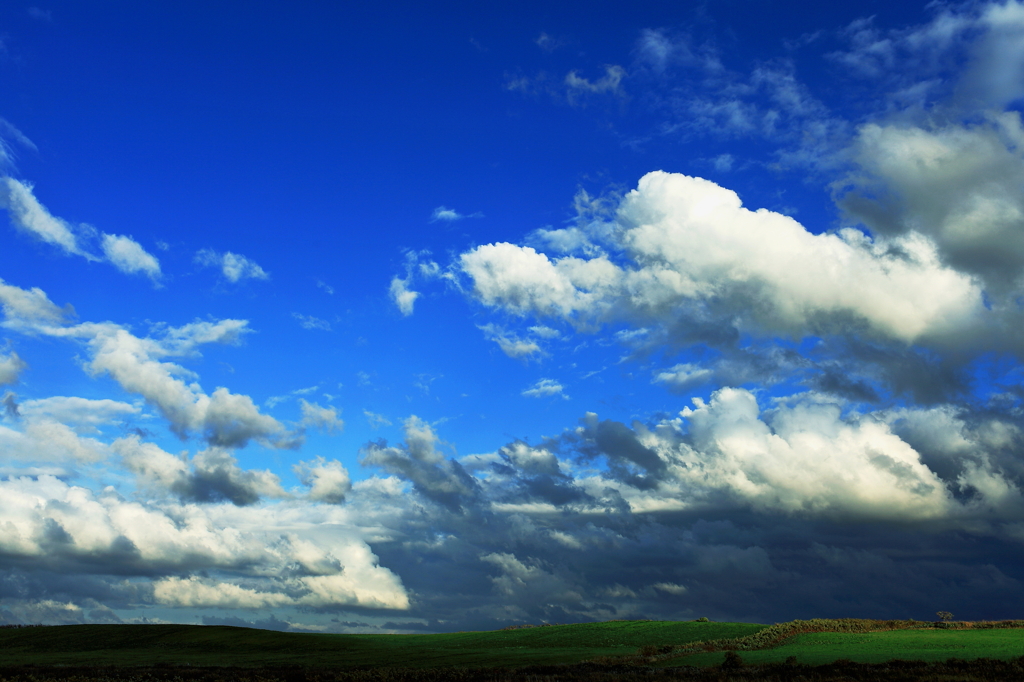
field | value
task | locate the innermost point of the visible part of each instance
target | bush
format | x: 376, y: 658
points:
x: 732, y: 661
x: 703, y: 619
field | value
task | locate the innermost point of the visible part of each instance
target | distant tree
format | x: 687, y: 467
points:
x: 944, y: 616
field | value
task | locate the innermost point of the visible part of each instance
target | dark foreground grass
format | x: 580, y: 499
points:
x: 981, y: 670
x: 195, y: 645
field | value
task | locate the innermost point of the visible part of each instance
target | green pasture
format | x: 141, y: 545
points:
x: 196, y: 645
x: 878, y: 647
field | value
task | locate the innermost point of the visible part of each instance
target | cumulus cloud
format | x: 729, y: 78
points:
x: 956, y: 184
x: 213, y: 475
x: 233, y: 266
x: 689, y: 242
x: 440, y: 480
x: 235, y: 550
x: 327, y: 481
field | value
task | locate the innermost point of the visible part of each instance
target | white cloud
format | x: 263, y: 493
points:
x: 403, y: 297
x: 29, y: 216
x: 325, y: 418
x: 82, y: 414
x: 798, y: 458
x: 687, y: 241
x: 251, y: 557
x: 683, y: 376
x: 47, y: 440
x: 137, y: 364
x: 128, y: 256
x: 326, y: 287
x: 25, y: 308
x: 545, y: 388
x: 450, y: 215
x: 510, y: 344
x: 328, y: 482
x: 233, y: 266
x: 446, y: 214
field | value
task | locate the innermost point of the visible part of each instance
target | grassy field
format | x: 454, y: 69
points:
x: 634, y: 644
x: 136, y: 645
x: 878, y: 647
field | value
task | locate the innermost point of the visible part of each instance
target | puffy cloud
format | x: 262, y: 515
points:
x: 328, y: 481
x: 128, y: 256
x: 689, y: 242
x: 402, y: 296
x: 54, y: 526
x: 233, y: 266
x: 214, y: 475
x: 955, y: 184
x: 11, y: 367
x: 25, y: 308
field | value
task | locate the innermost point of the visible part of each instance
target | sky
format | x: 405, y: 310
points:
x: 429, y: 317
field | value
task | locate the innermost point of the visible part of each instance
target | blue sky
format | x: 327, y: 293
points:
x: 361, y: 319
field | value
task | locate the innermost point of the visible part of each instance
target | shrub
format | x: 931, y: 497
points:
x: 732, y: 661
x: 703, y: 619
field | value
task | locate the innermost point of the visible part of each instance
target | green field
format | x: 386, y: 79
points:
x: 196, y: 645
x: 878, y: 647
x: 630, y: 643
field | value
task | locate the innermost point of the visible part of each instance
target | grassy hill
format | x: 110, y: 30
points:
x: 196, y: 645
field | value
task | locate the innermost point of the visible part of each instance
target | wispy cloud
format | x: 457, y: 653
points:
x: 545, y: 388
x: 233, y: 266
x: 311, y: 322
